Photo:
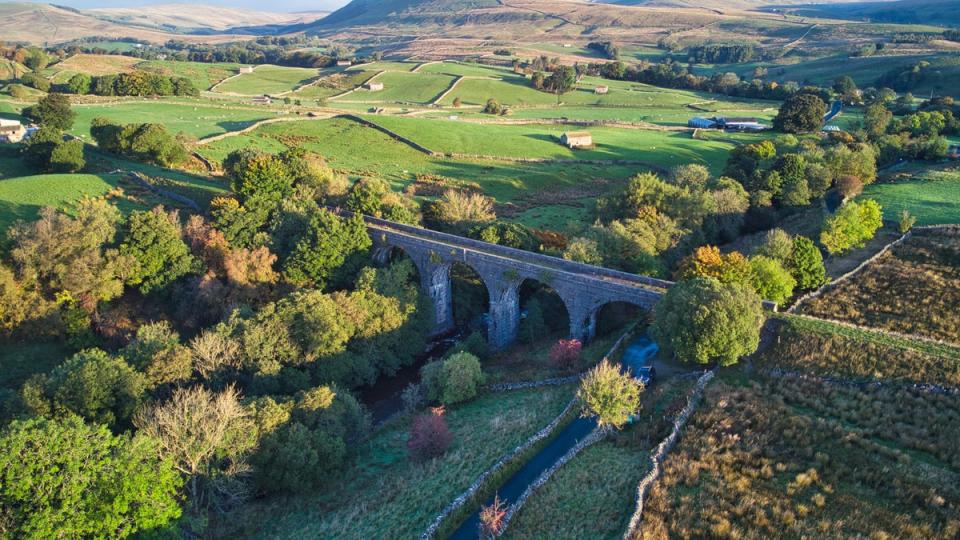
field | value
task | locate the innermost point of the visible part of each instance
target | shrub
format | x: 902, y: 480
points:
x: 462, y: 378
x: 905, y: 221
x: 610, y: 395
x: 452, y: 380
x: 412, y: 397
x: 429, y: 435
x: 492, y: 519
x: 475, y: 344
x: 493, y: 107
x: 565, y: 353
x: 67, y: 157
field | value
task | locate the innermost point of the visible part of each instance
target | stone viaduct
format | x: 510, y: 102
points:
x: 583, y: 288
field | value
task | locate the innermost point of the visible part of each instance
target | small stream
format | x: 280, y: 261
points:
x: 639, y: 353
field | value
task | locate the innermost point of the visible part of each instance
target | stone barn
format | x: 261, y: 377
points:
x: 246, y: 69
x: 344, y: 63
x: 374, y: 86
x: 577, y: 139
x: 602, y: 89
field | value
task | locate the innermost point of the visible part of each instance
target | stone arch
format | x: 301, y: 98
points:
x: 434, y: 276
x: 554, y: 310
x: 613, y: 314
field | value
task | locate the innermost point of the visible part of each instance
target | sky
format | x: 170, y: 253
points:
x: 258, y: 5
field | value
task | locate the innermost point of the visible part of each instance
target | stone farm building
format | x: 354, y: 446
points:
x: 576, y: 139
x: 262, y: 100
x: 374, y: 86
x: 11, y: 131
x: 246, y: 69
x: 344, y: 63
x: 601, y: 89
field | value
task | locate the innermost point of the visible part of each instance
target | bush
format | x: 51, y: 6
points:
x: 905, y: 221
x: 475, y: 344
x: 452, y: 380
x: 610, y: 395
x: 67, y: 157
x: 849, y: 186
x: 493, y: 107
x: 565, y: 353
x: 429, y: 436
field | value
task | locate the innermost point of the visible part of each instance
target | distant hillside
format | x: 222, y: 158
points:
x: 190, y: 18
x: 719, y: 5
x: 46, y: 23
x: 934, y: 12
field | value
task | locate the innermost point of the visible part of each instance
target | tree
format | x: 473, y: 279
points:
x: 610, y: 395
x: 708, y: 262
x: 303, y: 453
x: 256, y: 175
x: 462, y: 377
x: 157, y: 352
x: 193, y: 427
x: 461, y: 210
x: 844, y: 84
x: 52, y: 110
x: 851, y: 226
x: 691, y: 176
x: 703, y: 321
x: 366, y: 195
x: 154, y: 240
x: 80, y: 84
x: 80, y: 481
x: 452, y: 380
x: 90, y: 384
x: 777, y: 244
x: 328, y: 243
x: 429, y: 435
x: 806, y: 264
x: 849, y: 186
x: 876, y: 119
x: 561, y: 81
x: 38, y: 149
x: 69, y: 253
x: 801, y: 113
x: 154, y: 144
x: 770, y: 279
x: 859, y: 161
x: 67, y: 157
x: 493, y: 107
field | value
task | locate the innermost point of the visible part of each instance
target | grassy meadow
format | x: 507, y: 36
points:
x: 403, y: 87
x: 196, y: 117
x: 204, y: 75
x: 23, y: 197
x: 383, y: 490
x: 268, y: 79
x: 933, y: 196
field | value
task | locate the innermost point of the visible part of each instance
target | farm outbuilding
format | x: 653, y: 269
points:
x: 262, y: 100
x: 374, y: 86
x: 731, y: 124
x: 601, y: 89
x: 344, y: 63
x: 577, y: 139
x: 11, y: 131
x: 246, y: 69
x: 701, y: 123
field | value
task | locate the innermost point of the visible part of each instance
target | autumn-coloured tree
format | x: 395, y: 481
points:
x: 429, y: 437
x: 565, y: 353
x: 708, y: 262
x: 244, y: 266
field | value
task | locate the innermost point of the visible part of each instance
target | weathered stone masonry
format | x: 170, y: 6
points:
x: 583, y: 288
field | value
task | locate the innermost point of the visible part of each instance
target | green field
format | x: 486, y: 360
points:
x: 465, y: 69
x: 339, y: 139
x: 403, y: 87
x: 657, y: 148
x: 933, y: 196
x: 23, y: 197
x: 199, y: 117
x: 202, y: 74
x: 268, y: 79
x: 383, y: 490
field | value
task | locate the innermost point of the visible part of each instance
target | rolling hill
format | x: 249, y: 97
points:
x: 50, y: 24
x: 199, y: 18
x: 938, y: 12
